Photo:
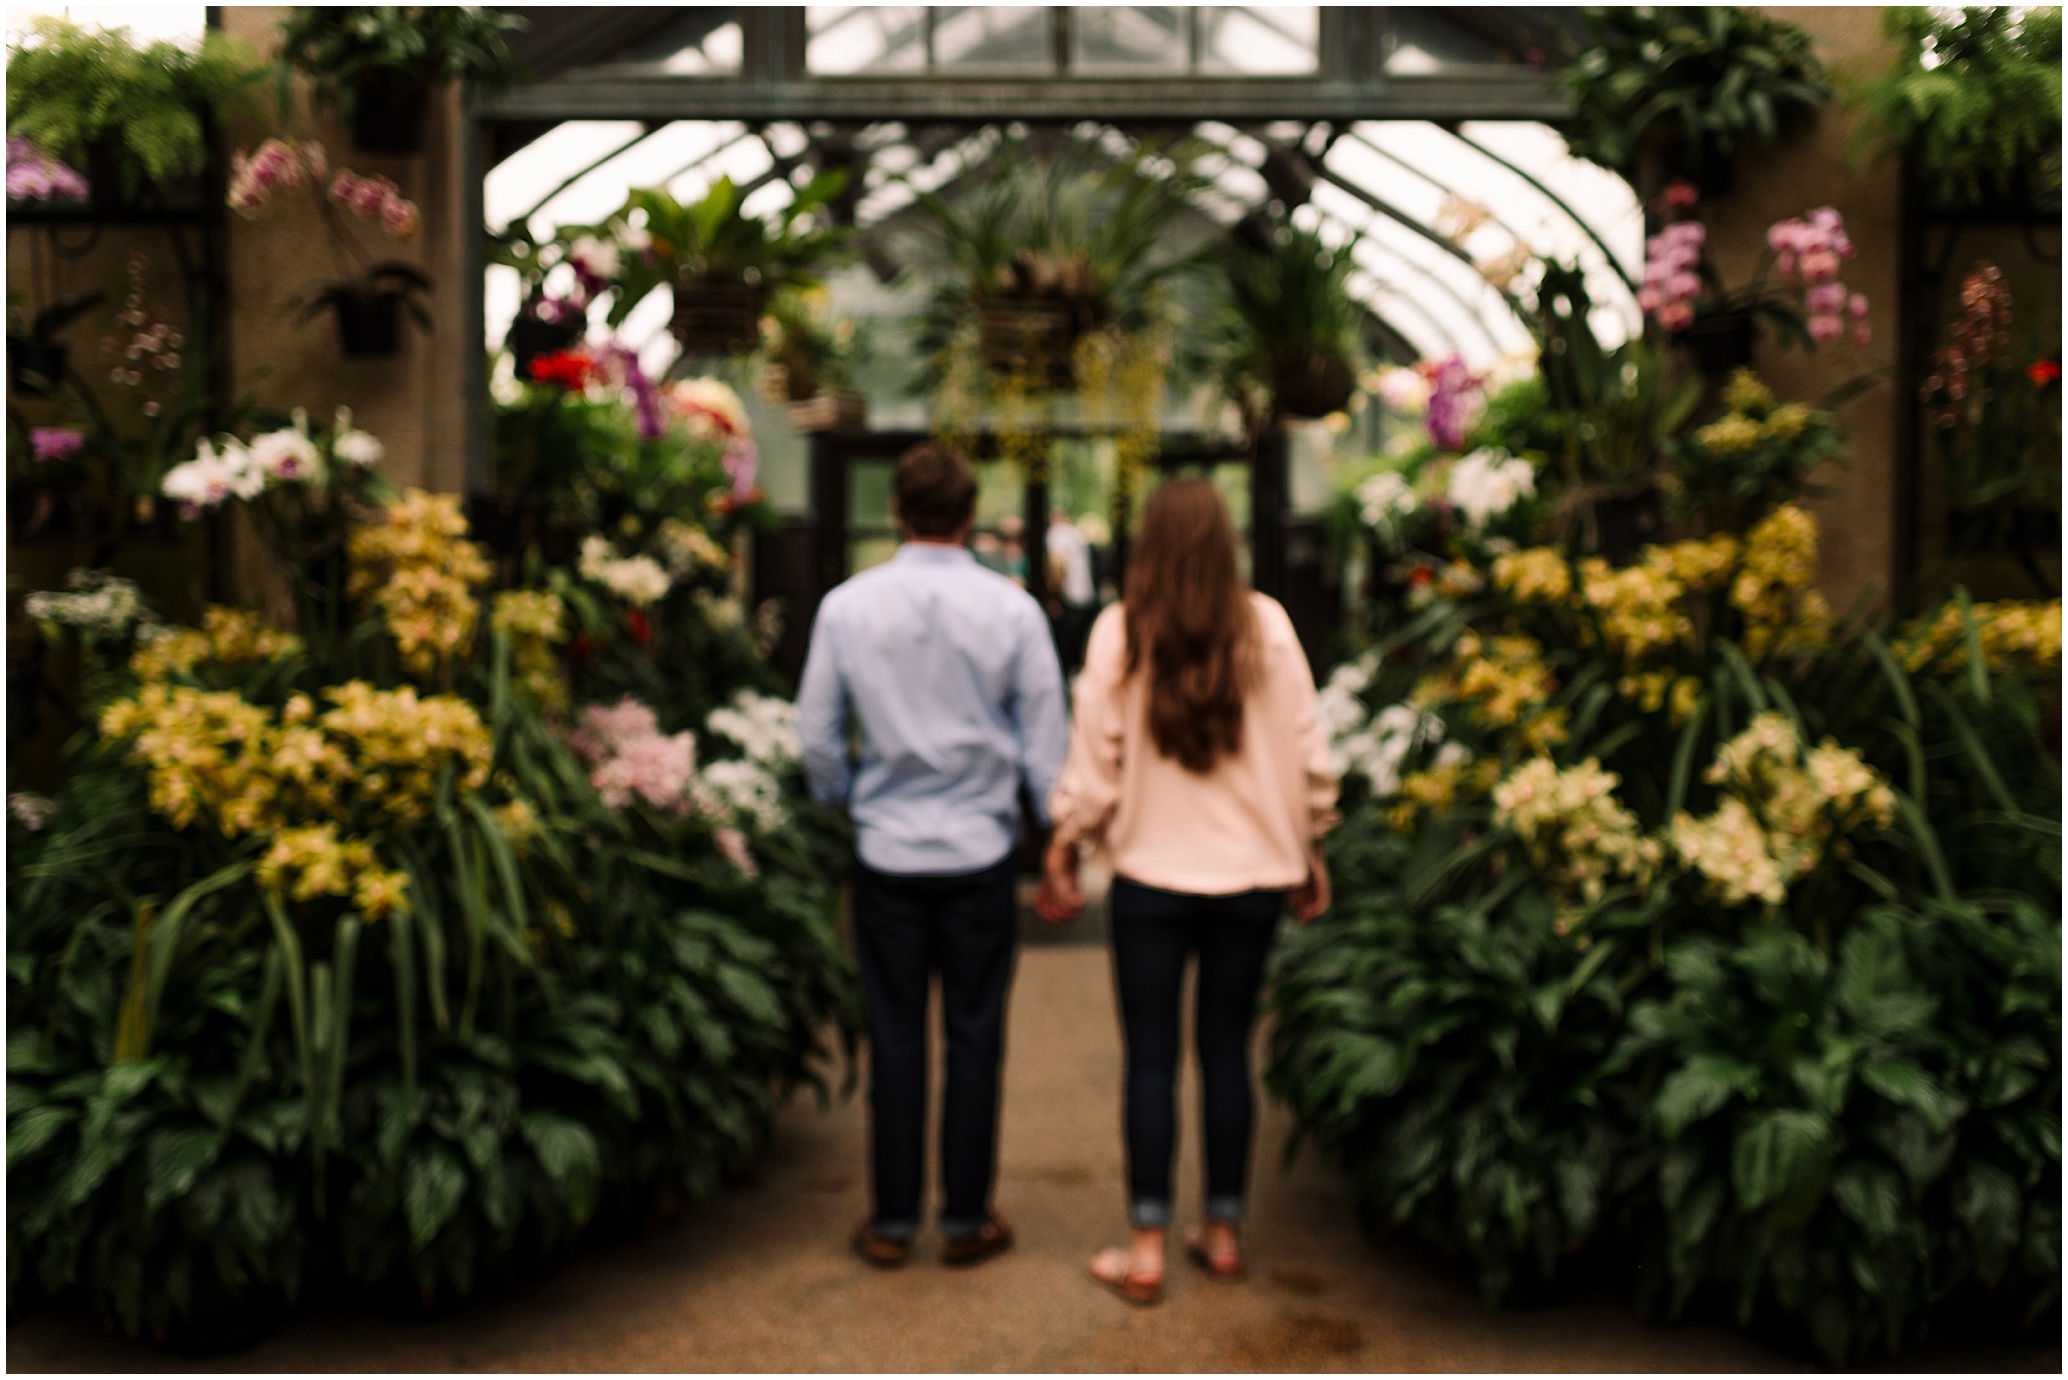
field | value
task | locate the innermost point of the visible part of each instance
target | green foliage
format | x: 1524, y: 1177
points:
x: 1615, y: 408
x: 71, y: 91
x: 433, y: 44
x: 1974, y: 100
x: 713, y: 242
x: 1837, y: 1117
x: 1078, y: 229
x: 1710, y: 79
x: 213, y: 1095
x: 1292, y: 316
x: 1758, y: 454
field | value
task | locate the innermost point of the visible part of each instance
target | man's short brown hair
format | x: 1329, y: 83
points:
x: 936, y: 490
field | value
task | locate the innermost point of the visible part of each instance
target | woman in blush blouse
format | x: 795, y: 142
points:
x: 1198, y: 763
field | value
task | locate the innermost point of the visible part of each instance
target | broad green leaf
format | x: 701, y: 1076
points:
x: 1698, y: 1088
x: 433, y: 1185
x: 1780, y: 1157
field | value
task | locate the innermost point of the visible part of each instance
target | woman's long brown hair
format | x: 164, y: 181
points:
x: 1189, y: 622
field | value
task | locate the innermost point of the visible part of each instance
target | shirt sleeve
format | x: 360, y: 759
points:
x: 1318, y: 807
x: 822, y: 705
x: 1038, y: 709
x: 1088, y: 790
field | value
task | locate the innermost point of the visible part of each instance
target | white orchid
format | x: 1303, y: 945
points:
x: 1489, y: 482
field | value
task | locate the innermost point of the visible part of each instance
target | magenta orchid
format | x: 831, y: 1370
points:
x: 33, y: 175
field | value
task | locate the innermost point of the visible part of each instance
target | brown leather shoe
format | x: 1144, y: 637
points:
x: 880, y: 1250
x: 993, y: 1238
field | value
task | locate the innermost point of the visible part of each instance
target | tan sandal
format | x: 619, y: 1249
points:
x: 1227, y: 1267
x: 1114, y: 1268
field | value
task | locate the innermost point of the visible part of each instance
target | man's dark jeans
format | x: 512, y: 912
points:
x: 905, y: 929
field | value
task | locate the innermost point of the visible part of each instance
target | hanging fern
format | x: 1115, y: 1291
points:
x: 70, y: 88
x: 1974, y: 100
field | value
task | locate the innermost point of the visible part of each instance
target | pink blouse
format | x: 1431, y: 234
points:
x: 1246, y: 824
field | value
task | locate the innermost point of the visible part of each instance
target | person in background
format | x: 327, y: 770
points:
x: 950, y: 673
x: 1012, y: 553
x: 1197, y: 760
x: 1075, y: 598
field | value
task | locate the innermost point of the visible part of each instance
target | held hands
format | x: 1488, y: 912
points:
x: 1311, y: 897
x: 1059, y: 900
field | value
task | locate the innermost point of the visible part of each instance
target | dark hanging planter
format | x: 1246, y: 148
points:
x: 1625, y: 523
x: 1030, y: 337
x: 35, y: 367
x: 717, y: 318
x: 531, y: 337
x: 388, y: 112
x: 1319, y: 385
x: 1721, y: 343
x: 369, y: 324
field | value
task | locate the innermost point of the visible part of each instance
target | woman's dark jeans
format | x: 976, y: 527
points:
x: 1154, y: 932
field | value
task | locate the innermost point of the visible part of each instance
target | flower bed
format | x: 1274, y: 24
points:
x: 355, y: 954
x: 1688, y: 934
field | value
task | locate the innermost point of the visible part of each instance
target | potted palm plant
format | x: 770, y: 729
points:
x: 721, y: 264
x: 368, y: 298
x: 1046, y: 250
x: 134, y: 117
x: 1295, y: 326
x: 380, y: 63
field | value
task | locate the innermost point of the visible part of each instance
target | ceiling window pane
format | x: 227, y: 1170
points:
x: 1259, y: 40
x: 993, y: 37
x: 849, y: 39
x: 1130, y: 38
x: 704, y: 41
x: 1426, y: 40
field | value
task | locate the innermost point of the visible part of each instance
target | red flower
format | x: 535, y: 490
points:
x: 2043, y: 372
x: 571, y: 369
x: 1420, y: 575
x: 639, y: 626
x: 585, y: 648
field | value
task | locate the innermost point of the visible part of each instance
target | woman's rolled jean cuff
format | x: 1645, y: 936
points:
x: 894, y: 1231
x: 961, y: 1228
x: 1149, y: 1212
x: 1224, y: 1209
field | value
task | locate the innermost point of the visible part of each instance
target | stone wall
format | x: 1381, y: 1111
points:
x: 1860, y: 500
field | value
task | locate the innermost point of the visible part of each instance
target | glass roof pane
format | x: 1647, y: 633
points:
x: 846, y: 39
x: 1259, y: 40
x: 1425, y: 40
x: 701, y: 41
x: 1129, y: 38
x: 993, y: 37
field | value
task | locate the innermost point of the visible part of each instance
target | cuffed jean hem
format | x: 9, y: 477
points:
x: 894, y: 1231
x: 1149, y: 1212
x: 1224, y: 1209
x: 956, y: 1228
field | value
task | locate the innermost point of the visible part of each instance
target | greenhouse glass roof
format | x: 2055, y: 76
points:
x: 1444, y: 197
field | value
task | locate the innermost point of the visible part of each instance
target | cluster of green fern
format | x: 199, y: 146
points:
x: 1975, y: 99
x: 71, y: 89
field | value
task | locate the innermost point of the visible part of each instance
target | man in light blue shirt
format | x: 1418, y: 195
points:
x: 950, y: 673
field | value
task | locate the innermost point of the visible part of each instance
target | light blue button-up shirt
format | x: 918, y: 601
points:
x: 951, y: 673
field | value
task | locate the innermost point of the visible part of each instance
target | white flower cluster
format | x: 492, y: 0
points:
x: 750, y: 790
x: 688, y: 548
x: 1376, y: 747
x: 1489, y: 482
x: 766, y: 727
x: 638, y: 580
x: 96, y: 602
x: 1385, y: 498
x: 287, y: 456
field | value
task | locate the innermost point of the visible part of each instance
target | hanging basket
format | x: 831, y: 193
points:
x: 1315, y: 388
x: 35, y: 367
x: 368, y: 323
x: 388, y: 112
x: 1719, y: 344
x: 530, y: 337
x: 1033, y: 338
x: 717, y: 318
x: 840, y: 410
